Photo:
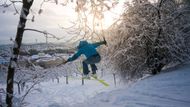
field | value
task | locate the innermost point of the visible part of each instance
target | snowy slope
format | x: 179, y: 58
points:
x: 53, y: 94
x: 170, y: 89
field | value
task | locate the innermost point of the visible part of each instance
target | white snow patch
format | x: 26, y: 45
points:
x: 23, y: 15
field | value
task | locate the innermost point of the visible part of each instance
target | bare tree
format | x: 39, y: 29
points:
x: 18, y: 40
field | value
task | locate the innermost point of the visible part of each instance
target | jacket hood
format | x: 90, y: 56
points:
x: 82, y: 43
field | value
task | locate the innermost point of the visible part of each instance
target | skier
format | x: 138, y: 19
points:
x: 92, y: 56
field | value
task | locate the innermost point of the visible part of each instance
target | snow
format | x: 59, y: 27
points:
x: 61, y: 94
x: 169, y: 89
x: 15, y: 44
x: 3, y: 61
x: 40, y: 55
x: 23, y: 15
x: 34, y: 57
x: 42, y: 58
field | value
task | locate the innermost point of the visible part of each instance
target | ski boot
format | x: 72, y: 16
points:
x: 94, y: 76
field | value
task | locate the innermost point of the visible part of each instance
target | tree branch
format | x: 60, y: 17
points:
x: 43, y: 32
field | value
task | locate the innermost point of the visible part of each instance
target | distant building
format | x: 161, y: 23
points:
x: 42, y: 46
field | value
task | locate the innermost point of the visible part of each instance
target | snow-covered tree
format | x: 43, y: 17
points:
x: 149, y: 36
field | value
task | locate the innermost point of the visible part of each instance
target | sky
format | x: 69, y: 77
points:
x: 52, y: 16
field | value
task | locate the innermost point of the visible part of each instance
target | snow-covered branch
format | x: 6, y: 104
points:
x: 149, y: 35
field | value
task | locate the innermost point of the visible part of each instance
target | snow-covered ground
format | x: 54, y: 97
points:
x: 54, y: 94
x: 170, y: 89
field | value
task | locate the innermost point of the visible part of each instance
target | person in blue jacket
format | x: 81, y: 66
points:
x: 92, y: 56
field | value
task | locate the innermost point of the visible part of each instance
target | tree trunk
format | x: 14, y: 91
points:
x: 157, y: 67
x: 18, y: 40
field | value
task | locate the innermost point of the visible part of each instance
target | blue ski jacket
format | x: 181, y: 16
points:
x: 88, y: 49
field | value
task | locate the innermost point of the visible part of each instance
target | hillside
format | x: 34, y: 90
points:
x: 170, y: 89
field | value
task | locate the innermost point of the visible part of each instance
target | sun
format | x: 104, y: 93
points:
x: 113, y: 15
x: 69, y: 12
x: 54, y: 16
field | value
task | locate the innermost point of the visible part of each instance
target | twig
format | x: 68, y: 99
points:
x: 43, y: 32
x: 28, y: 91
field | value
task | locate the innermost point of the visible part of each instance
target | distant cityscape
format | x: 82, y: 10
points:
x: 38, y: 46
x: 30, y: 49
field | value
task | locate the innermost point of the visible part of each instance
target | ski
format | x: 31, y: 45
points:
x: 101, y: 81
x: 94, y: 78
